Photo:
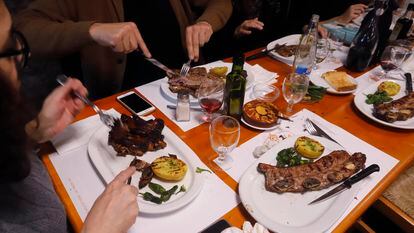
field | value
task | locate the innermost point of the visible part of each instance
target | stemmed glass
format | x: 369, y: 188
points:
x: 322, y: 51
x: 392, y: 58
x: 224, y: 136
x: 294, y: 89
x: 210, y: 97
x: 336, y: 41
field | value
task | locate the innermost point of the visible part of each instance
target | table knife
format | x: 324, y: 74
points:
x: 263, y: 53
x: 408, y: 83
x: 347, y: 184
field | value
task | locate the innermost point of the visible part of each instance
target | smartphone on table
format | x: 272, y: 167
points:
x: 217, y: 227
x: 135, y: 103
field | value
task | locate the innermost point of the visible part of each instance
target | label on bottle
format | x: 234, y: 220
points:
x: 396, y: 31
x: 301, y: 70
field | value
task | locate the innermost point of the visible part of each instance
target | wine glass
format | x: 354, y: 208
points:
x: 294, y: 89
x: 322, y: 51
x: 336, y: 40
x: 392, y: 58
x: 224, y: 136
x: 210, y: 97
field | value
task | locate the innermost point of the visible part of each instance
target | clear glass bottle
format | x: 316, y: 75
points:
x: 306, y: 52
x: 235, y: 88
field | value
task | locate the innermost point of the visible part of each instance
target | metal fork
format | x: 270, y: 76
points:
x: 315, y: 132
x: 108, y: 120
x: 185, y: 68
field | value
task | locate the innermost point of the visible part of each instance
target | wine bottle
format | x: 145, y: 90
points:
x: 306, y: 52
x: 235, y: 88
x: 403, y: 24
x: 365, y: 42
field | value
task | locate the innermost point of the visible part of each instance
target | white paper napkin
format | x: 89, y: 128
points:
x: 153, y: 93
x: 84, y: 185
x: 78, y: 133
x: 243, y: 155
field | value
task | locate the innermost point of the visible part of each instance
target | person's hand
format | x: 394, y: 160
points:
x: 353, y: 12
x: 247, y: 26
x: 196, y: 36
x: 121, y: 37
x: 58, y: 111
x: 322, y: 31
x: 116, y: 209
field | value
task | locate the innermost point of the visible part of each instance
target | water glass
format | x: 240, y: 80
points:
x: 294, y: 89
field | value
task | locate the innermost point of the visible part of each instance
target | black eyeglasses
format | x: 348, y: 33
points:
x: 20, y: 51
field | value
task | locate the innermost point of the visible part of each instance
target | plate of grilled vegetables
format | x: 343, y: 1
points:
x: 166, y: 167
x: 277, y: 189
x: 387, y: 102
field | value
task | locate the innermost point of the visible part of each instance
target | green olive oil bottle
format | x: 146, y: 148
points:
x: 235, y: 88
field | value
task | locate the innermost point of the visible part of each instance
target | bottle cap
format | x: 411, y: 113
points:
x: 315, y: 18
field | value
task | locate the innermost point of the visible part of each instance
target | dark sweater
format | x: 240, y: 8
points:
x: 31, y: 205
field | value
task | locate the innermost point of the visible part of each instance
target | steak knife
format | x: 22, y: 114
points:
x: 158, y: 64
x: 347, y: 184
x: 408, y: 83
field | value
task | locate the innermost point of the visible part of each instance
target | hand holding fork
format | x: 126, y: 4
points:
x: 108, y: 120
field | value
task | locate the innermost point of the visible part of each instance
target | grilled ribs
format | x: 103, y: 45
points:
x: 328, y: 170
x: 135, y: 136
x: 397, y: 110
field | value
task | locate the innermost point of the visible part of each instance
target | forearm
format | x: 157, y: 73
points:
x: 216, y: 13
x: 50, y: 32
x: 338, y: 19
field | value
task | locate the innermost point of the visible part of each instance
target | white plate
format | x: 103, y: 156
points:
x: 168, y: 94
x: 109, y: 165
x: 288, y: 40
x: 316, y: 78
x: 260, y: 128
x: 290, y: 212
x: 367, y: 109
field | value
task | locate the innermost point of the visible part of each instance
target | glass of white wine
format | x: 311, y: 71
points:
x: 294, y: 89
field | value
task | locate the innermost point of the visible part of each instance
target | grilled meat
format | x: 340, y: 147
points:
x: 328, y: 170
x: 135, y: 136
x: 286, y: 50
x: 139, y: 165
x: 397, y: 110
x: 190, y: 83
x: 146, y: 177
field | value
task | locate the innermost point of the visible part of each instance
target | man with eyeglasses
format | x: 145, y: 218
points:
x: 28, y: 202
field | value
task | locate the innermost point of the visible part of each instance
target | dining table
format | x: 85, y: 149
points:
x: 337, y: 109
